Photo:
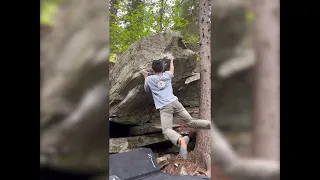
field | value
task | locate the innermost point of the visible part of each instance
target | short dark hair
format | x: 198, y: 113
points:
x: 157, y: 66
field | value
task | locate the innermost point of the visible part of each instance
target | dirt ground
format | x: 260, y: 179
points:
x: 174, y: 165
x: 177, y: 166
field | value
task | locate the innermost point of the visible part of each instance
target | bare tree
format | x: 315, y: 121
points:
x: 202, y: 148
x: 266, y: 122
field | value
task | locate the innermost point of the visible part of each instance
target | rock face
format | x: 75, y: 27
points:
x: 130, y: 103
x: 123, y: 144
x: 127, y: 97
x: 232, y: 76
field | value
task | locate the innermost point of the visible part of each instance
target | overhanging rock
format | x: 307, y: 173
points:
x: 127, y: 97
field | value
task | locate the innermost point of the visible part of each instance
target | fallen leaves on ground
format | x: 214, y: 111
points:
x: 177, y: 166
x: 173, y: 164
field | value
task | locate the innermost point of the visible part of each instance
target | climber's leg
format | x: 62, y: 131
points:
x: 183, y: 114
x: 166, y: 115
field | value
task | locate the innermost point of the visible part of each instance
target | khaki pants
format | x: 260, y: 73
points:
x: 175, y: 108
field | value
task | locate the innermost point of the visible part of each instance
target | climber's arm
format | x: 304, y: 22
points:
x: 145, y: 75
x: 146, y: 86
x: 171, y: 65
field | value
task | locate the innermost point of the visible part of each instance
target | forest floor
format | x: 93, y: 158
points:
x: 177, y: 166
x: 172, y: 163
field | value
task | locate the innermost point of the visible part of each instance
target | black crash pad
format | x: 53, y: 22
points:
x: 140, y: 165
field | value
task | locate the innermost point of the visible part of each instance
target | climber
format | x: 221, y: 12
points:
x: 160, y: 84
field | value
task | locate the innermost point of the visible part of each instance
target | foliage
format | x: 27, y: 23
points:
x: 48, y: 12
x: 129, y: 28
x: 145, y: 20
x: 178, y: 20
x: 189, y: 10
x: 112, y: 57
x: 190, y: 38
x: 249, y: 16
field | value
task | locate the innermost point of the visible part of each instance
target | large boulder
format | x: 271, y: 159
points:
x: 231, y: 73
x: 127, y: 97
x: 122, y: 144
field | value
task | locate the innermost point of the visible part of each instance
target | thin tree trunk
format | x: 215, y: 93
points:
x: 161, y: 15
x: 113, y: 10
x: 266, y: 125
x: 202, y: 148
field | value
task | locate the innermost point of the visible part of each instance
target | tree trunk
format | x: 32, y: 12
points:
x: 202, y: 148
x: 161, y: 15
x: 113, y: 10
x: 266, y: 125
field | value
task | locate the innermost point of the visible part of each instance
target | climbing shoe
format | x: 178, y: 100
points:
x: 183, y: 143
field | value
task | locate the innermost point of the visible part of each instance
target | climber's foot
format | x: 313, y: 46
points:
x: 183, y: 143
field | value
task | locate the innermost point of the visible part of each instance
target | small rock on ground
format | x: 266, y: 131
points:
x: 183, y: 171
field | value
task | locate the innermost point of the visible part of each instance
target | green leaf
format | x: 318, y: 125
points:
x: 48, y: 12
x: 143, y: 21
x: 250, y: 16
x: 113, y: 57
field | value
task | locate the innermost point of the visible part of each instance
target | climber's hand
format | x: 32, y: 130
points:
x: 171, y: 57
x: 145, y: 73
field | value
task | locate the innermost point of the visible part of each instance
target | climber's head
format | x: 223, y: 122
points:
x: 157, y: 66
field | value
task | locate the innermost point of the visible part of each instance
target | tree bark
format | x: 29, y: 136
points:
x: 202, y: 148
x: 113, y: 10
x: 266, y: 125
x: 161, y: 15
